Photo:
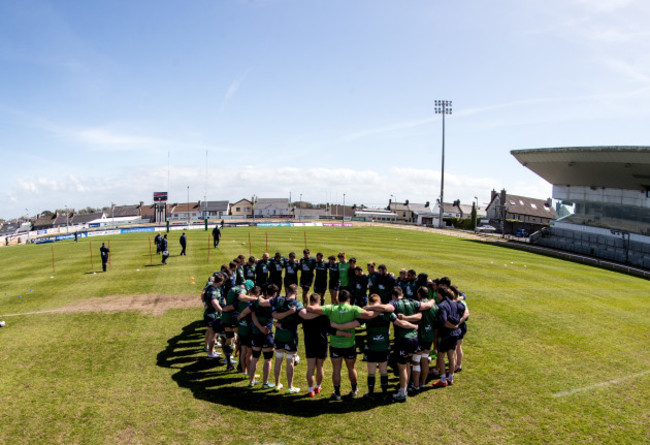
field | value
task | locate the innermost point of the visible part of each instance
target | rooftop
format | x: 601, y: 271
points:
x: 619, y: 167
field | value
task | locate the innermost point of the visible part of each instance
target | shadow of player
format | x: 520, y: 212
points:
x: 208, y: 380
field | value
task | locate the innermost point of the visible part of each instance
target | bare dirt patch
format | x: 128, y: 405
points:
x: 155, y: 304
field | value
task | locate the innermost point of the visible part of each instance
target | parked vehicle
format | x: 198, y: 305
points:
x: 486, y: 229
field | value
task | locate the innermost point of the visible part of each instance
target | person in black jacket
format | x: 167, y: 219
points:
x: 157, y: 240
x: 103, y: 251
x: 216, y: 235
x: 163, y: 249
x: 183, y: 242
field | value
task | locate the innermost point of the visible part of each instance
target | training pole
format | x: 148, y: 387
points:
x: 305, y: 233
x: 250, y: 252
x: 267, y: 241
x: 52, y: 246
x: 91, y: 256
x: 209, y: 247
x: 150, y: 255
x: 109, y: 252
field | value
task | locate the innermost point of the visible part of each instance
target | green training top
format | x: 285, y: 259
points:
x: 342, y: 313
x: 231, y: 298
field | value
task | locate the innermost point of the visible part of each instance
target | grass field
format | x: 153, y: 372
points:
x: 556, y: 352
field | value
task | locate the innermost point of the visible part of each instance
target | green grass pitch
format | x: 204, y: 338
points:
x: 556, y: 352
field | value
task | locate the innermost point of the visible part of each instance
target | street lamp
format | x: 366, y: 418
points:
x: 254, y: 200
x: 343, y: 207
x: 442, y: 107
x: 476, y: 213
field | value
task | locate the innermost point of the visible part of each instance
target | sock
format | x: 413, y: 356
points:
x: 451, y: 376
x: 317, y: 387
x: 383, y: 378
x: 371, y: 383
x: 311, y: 388
x: 354, y: 387
x: 337, y: 390
x: 443, y: 378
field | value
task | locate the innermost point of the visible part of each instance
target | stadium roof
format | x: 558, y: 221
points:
x: 625, y: 167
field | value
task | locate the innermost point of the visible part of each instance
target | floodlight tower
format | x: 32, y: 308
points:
x: 442, y: 107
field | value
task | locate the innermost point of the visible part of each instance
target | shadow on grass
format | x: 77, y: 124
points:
x: 209, y: 381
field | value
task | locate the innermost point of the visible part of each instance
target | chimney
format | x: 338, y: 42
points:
x: 427, y: 204
x: 493, y: 194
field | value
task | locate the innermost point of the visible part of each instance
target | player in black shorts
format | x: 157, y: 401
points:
x: 291, y: 271
x: 307, y: 264
x: 335, y: 281
x: 320, y: 281
x: 315, y: 328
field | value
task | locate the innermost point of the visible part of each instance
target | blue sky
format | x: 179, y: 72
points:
x: 319, y: 98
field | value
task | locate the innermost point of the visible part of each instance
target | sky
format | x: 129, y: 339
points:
x: 109, y: 101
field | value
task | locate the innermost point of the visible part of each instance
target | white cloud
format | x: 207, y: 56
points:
x: 232, y: 89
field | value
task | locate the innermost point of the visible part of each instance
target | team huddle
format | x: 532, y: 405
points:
x: 245, y: 308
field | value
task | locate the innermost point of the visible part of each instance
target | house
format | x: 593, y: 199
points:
x: 378, y: 215
x: 242, y: 208
x: 84, y: 219
x: 214, y: 209
x: 272, y: 207
x: 519, y: 208
x: 44, y: 221
x: 402, y: 211
x: 185, y: 211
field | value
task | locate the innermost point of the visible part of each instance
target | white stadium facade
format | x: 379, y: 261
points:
x: 601, y: 200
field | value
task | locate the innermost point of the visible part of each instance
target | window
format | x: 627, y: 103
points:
x: 512, y: 202
x: 237, y: 209
x: 532, y: 204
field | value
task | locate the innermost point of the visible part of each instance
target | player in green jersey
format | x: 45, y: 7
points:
x: 230, y: 317
x: 285, y: 310
x: 378, y: 344
x: 427, y: 336
x: 344, y: 276
x: 342, y: 348
x: 212, y: 313
x: 244, y: 330
x: 406, y: 340
x: 262, y: 335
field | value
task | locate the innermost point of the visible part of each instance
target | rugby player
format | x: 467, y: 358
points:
x: 307, y: 265
x: 342, y: 348
x: 335, y: 280
x: 262, y: 336
x: 378, y: 344
x: 262, y: 272
x: 244, y: 331
x: 286, y: 334
x: 449, y: 331
x: 291, y: 271
x: 276, y: 266
x: 230, y: 317
x: 320, y: 281
x: 406, y: 339
x: 212, y: 313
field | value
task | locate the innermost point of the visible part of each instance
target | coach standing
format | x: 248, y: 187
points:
x: 216, y: 235
x: 103, y: 252
x: 183, y: 242
x: 163, y: 248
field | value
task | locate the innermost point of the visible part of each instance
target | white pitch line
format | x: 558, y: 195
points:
x: 598, y: 385
x: 31, y: 313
